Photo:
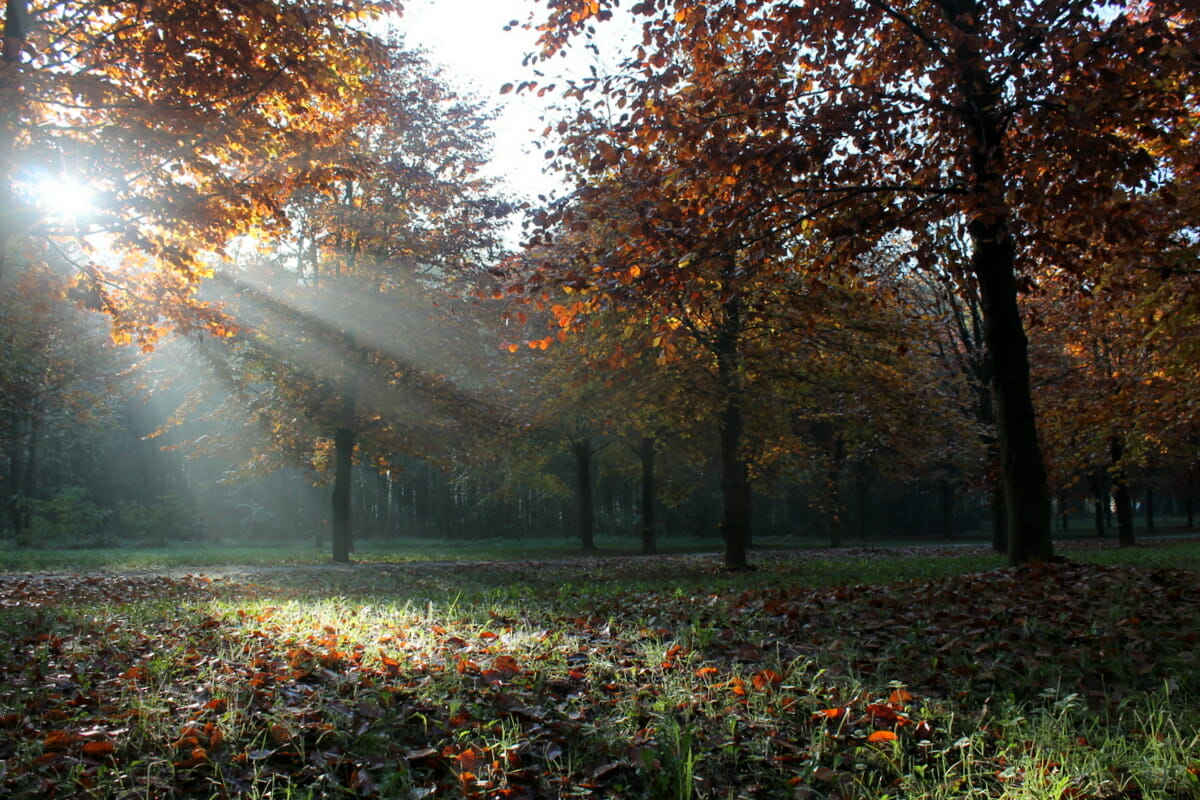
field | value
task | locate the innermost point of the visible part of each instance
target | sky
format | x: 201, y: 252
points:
x: 468, y: 39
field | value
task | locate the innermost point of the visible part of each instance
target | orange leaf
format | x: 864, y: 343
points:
x: 830, y: 713
x: 706, y: 672
x: 767, y: 678
x: 882, y: 736
x: 98, y: 749
x: 197, y: 757
x: 899, y: 697
x: 58, y: 740
x: 506, y: 664
x: 470, y: 759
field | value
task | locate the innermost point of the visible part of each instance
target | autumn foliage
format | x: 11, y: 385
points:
x: 819, y: 138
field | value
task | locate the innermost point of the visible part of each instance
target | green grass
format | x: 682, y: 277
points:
x: 605, y: 676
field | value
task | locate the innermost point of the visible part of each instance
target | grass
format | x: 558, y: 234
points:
x: 939, y: 674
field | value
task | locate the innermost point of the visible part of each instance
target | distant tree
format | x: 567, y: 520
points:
x: 357, y: 321
x: 61, y: 395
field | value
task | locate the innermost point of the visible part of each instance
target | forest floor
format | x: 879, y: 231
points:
x: 864, y: 672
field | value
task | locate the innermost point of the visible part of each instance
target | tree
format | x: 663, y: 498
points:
x: 1119, y: 401
x: 874, y: 117
x: 354, y: 320
x: 189, y: 123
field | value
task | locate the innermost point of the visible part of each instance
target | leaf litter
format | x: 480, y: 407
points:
x: 595, y: 678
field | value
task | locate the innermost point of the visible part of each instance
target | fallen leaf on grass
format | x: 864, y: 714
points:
x: 98, y: 749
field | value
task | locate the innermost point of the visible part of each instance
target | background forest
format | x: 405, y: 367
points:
x: 256, y: 286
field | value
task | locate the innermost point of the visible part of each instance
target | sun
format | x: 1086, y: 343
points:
x: 64, y: 197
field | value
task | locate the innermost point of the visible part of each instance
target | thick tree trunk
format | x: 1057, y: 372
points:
x: 1023, y: 470
x: 646, y: 454
x: 585, y: 509
x: 993, y: 263
x: 735, y: 487
x: 343, y: 446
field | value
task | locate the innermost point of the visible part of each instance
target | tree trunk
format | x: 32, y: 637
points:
x: 646, y: 456
x: 998, y: 511
x: 735, y: 475
x: 1124, y: 503
x: 993, y: 262
x: 735, y: 487
x: 28, y: 483
x: 343, y: 446
x: 830, y: 441
x: 947, y: 496
x: 1122, y: 498
x: 586, y: 513
x: 1099, y: 486
x: 860, y: 502
x: 1149, y: 510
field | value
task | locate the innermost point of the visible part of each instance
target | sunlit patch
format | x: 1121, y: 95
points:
x: 64, y: 197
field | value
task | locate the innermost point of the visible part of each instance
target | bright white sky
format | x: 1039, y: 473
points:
x: 467, y: 37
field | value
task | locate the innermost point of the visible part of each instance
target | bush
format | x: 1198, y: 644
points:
x: 171, y: 519
x: 68, y: 519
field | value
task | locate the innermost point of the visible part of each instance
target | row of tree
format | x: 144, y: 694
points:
x: 821, y: 252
